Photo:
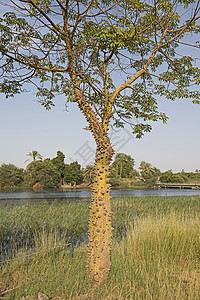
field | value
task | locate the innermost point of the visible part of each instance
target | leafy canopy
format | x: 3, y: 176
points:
x: 10, y: 176
x: 44, y: 172
x: 34, y: 155
x: 59, y: 163
x: 121, y: 56
x: 149, y: 173
x: 73, y: 173
x: 124, y: 164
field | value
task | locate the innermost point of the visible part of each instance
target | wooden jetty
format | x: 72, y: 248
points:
x: 193, y: 186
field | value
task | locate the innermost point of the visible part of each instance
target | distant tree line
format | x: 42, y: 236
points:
x: 49, y: 173
x: 54, y: 173
x: 181, y: 177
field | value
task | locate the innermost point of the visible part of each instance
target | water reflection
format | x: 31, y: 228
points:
x: 21, y: 198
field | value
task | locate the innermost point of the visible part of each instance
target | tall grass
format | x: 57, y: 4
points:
x: 19, y: 225
x: 155, y: 254
x: 128, y: 209
x: 158, y: 259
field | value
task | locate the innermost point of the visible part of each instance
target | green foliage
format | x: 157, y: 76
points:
x: 58, y: 162
x: 174, y: 178
x: 193, y: 176
x: 88, y: 174
x: 44, y: 172
x: 114, y: 177
x: 73, y: 173
x: 149, y: 173
x: 124, y: 164
x: 135, y: 174
x: 140, y: 38
x: 10, y: 176
x: 180, y: 177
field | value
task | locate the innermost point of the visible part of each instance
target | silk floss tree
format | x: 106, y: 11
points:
x: 114, y: 59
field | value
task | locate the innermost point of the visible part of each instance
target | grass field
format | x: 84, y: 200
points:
x: 155, y: 254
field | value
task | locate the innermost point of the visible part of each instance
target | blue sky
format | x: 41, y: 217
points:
x: 25, y: 126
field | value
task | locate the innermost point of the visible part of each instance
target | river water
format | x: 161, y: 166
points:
x: 21, y: 198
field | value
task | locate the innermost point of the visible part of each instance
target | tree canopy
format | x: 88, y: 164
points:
x: 73, y: 173
x: 10, y: 176
x: 88, y: 174
x: 149, y: 173
x: 43, y: 172
x: 124, y: 164
x: 34, y: 155
x: 59, y: 163
x: 74, y: 49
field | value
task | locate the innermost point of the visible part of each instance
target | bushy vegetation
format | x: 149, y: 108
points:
x: 149, y: 173
x: 42, y: 171
x: 155, y: 253
x: 180, y: 177
x: 124, y: 165
x: 52, y: 173
x: 73, y: 173
x: 49, y: 173
x: 10, y: 176
x: 60, y: 165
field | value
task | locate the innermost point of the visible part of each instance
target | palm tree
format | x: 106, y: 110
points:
x: 35, y: 155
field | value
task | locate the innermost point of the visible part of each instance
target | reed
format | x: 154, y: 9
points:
x: 19, y: 225
x: 155, y: 255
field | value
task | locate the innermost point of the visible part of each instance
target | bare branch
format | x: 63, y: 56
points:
x: 77, y: 20
x: 83, y: 14
x: 61, y: 5
x: 195, y: 46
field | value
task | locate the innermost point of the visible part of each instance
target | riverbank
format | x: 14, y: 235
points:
x: 155, y: 251
x: 124, y: 183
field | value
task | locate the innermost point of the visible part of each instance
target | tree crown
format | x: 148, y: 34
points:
x: 118, y: 57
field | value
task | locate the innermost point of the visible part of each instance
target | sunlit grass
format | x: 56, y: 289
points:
x: 158, y: 259
x: 155, y: 254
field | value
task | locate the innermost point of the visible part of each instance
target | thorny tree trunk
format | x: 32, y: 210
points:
x: 100, y: 230
x: 99, y: 233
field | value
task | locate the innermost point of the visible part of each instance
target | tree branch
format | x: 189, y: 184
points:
x: 44, y: 15
x: 138, y: 74
x: 61, y: 5
x: 36, y: 67
x: 183, y: 29
x: 95, y: 125
x: 162, y: 78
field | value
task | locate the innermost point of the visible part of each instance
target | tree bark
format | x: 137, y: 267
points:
x: 100, y: 229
